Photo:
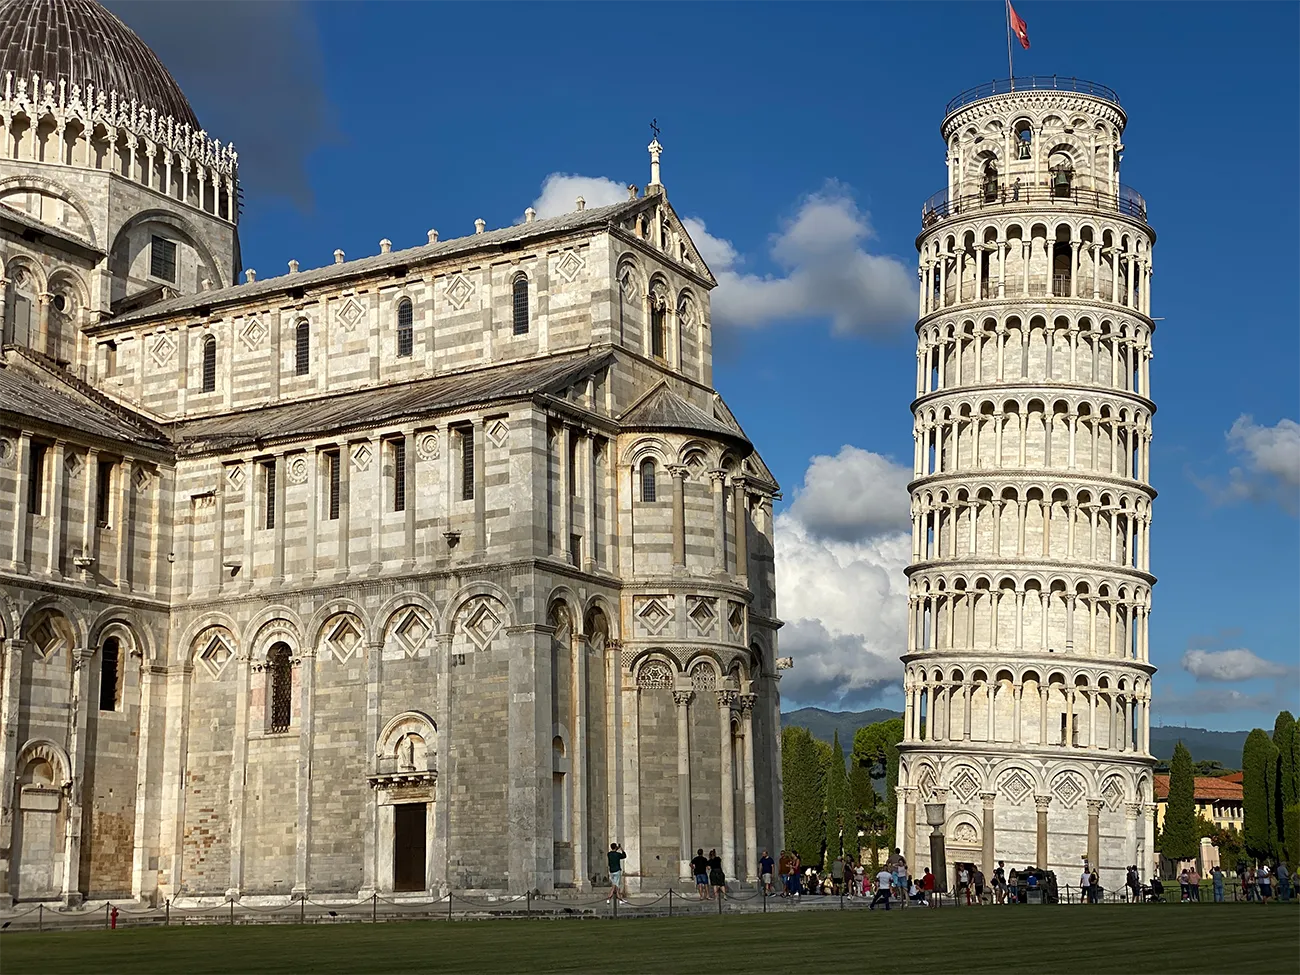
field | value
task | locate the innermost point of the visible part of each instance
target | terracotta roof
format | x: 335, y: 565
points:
x: 82, y: 42
x: 384, y: 404
x: 1207, y: 788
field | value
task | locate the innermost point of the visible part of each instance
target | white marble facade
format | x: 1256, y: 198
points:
x: 1027, y: 675
x: 440, y: 568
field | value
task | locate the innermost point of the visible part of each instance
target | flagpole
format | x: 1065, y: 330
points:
x: 1011, y: 71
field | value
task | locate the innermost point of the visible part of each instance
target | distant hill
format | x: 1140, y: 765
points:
x: 824, y: 724
x: 1223, y: 747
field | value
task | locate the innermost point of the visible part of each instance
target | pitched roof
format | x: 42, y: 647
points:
x: 385, y: 404
x: 31, y: 386
x: 518, y: 233
x: 662, y: 409
x: 1206, y: 788
x: 28, y: 223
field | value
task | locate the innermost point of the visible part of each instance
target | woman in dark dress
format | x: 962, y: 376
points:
x: 717, y: 879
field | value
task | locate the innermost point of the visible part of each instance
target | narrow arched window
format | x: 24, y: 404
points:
x: 302, y: 349
x: 648, y: 492
x: 279, y: 669
x: 658, y: 324
x: 405, y: 327
x: 209, y: 364
x: 108, y: 674
x: 519, y: 299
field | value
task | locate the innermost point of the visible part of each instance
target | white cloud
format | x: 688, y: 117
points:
x: 1229, y: 665
x: 1219, y: 700
x: 826, y: 273
x: 840, y: 582
x: 1272, y: 455
x: 560, y: 192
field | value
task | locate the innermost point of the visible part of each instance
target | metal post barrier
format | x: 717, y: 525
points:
x: 168, y: 921
x: 40, y: 917
x: 528, y: 902
x: 449, y: 904
x: 720, y: 903
x: 232, y: 912
x: 841, y: 901
x: 107, y: 908
x: 302, y: 909
x: 374, y: 907
x: 670, y: 902
x: 765, y: 900
x: 616, y: 893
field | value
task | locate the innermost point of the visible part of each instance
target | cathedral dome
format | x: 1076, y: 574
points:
x: 82, y: 42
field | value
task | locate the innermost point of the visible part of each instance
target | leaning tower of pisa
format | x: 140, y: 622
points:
x: 1026, y: 673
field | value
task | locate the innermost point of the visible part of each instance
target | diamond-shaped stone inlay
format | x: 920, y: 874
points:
x: 1113, y: 794
x: 569, y: 266
x: 253, y: 333
x: 702, y: 614
x: 497, y: 432
x: 343, y: 637
x: 1015, y: 787
x: 215, y: 653
x: 482, y: 626
x: 965, y: 785
x: 736, y: 618
x: 412, y: 630
x: 426, y: 445
x: 459, y: 291
x: 74, y: 464
x: 361, y: 456
x: 235, y: 476
x: 350, y: 314
x: 654, y: 616
x: 163, y: 348
x: 46, y: 638
x: 1067, y: 789
x: 141, y: 480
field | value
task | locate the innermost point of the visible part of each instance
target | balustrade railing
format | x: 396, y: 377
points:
x: 1033, y: 82
x: 1001, y: 195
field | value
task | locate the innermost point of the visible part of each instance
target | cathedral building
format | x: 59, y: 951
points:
x: 1027, y: 672
x: 441, y: 568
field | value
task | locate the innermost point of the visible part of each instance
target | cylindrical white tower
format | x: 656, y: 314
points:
x: 1026, y: 674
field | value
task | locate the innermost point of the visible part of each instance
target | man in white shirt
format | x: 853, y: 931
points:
x: 884, y: 883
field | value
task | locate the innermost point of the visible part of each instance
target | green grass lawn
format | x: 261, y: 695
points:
x: 1123, y: 939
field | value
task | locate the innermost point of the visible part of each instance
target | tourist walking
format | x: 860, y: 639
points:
x: 884, y: 884
x: 616, y: 858
x: 1134, y: 883
x: 927, y: 885
x: 963, y: 881
x: 700, y: 867
x: 1283, y: 881
x: 1264, y: 878
x: 1094, y: 887
x: 837, y: 875
x: 1085, y: 881
x: 1194, y: 883
x: 717, y: 879
x: 1013, y: 886
x: 1248, y: 884
x: 978, y: 880
x: 1216, y: 878
x: 765, y: 866
x: 1000, y: 883
x: 1184, y: 896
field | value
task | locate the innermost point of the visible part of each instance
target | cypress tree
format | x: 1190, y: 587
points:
x: 801, y: 792
x: 836, y: 789
x: 1259, y: 762
x: 1288, y: 786
x: 876, y: 746
x: 1179, y: 838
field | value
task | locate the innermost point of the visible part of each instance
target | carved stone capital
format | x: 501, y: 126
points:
x: 726, y: 699
x: 682, y: 698
x: 1132, y: 810
x: 1042, y: 802
x: 1095, y: 806
x: 988, y: 798
x: 747, y: 702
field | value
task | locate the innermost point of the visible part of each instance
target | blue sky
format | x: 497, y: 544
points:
x: 805, y: 137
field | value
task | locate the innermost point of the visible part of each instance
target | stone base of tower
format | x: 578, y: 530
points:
x: 1029, y: 810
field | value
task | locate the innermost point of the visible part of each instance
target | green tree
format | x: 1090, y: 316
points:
x: 1179, y: 837
x: 801, y: 784
x: 876, y: 748
x: 1259, y: 767
x: 868, y: 813
x: 838, y: 820
x: 1291, y: 831
x: 1288, y: 787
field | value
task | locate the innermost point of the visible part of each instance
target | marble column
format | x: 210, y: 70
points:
x: 682, y: 698
x: 1042, y: 802
x: 747, y: 702
x: 726, y: 699
x: 679, y: 516
x: 909, y: 823
x: 1094, y: 833
x: 988, y: 851
x: 719, y: 478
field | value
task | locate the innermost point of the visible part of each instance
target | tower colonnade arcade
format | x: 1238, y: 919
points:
x: 1027, y: 677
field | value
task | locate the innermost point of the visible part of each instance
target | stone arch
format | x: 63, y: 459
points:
x: 182, y: 226
x: 479, y: 588
x: 600, y: 604
x: 655, y: 670
x: 648, y: 446
x: 49, y: 187
x: 408, y: 743
x: 563, y: 595
x: 9, y: 620
x: 118, y: 620
x: 278, y: 627
x: 58, y: 606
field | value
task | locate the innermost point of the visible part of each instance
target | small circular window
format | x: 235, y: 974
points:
x: 60, y: 303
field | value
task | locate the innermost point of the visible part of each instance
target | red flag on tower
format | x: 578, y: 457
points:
x: 1018, y: 25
